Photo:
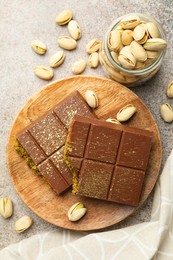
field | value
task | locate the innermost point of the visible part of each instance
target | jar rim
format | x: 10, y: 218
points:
x: 139, y: 71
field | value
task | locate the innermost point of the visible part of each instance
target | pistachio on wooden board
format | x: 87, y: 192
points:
x: 126, y: 112
x: 113, y: 120
x: 76, y: 212
x: 6, y: 207
x: 91, y: 99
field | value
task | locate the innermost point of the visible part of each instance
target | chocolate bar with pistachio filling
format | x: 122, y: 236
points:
x: 42, y: 142
x: 108, y: 161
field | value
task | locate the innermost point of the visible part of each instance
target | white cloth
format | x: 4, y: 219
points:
x: 149, y: 240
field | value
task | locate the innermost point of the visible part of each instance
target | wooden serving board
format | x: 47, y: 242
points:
x: 34, y: 190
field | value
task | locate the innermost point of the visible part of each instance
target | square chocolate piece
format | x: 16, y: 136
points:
x: 109, y: 161
x: 42, y: 142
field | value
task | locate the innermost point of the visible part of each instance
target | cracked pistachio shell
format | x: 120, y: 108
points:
x: 91, y: 99
x: 39, y: 47
x: 143, y: 40
x: 113, y: 120
x: 94, y: 60
x: 166, y: 112
x: 67, y: 43
x: 152, y: 54
x: 74, y: 30
x: 6, y: 207
x: 155, y: 44
x: 114, y: 40
x: 126, y: 113
x: 169, y: 90
x: 152, y: 30
x: 127, y: 37
x: 64, y: 17
x: 23, y: 223
x: 126, y: 58
x: 93, y: 46
x: 43, y: 72
x: 79, y: 66
x: 57, y: 59
x: 139, y: 32
x: 138, y: 51
x: 130, y: 22
x: 76, y: 212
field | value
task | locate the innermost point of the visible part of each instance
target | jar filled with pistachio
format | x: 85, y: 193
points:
x: 133, y: 49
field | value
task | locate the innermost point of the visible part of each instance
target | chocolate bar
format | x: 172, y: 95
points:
x: 109, y: 161
x: 42, y: 142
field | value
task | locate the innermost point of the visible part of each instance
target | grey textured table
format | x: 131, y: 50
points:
x: 23, y: 21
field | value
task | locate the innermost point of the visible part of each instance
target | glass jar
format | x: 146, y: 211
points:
x: 130, y: 77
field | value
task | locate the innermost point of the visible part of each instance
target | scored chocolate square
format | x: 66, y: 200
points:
x: 108, y: 161
x: 42, y: 142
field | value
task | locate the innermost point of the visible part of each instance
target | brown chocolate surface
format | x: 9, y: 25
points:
x: 44, y: 140
x: 110, y: 159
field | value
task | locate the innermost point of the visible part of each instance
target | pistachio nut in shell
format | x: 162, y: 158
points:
x: 155, y: 44
x: 64, y: 17
x: 169, y: 90
x: 115, y: 56
x: 74, y: 30
x: 166, y: 112
x: 23, y: 223
x: 138, y: 51
x: 94, y: 60
x: 126, y: 112
x: 67, y: 43
x: 127, y: 37
x: 6, y: 207
x: 79, y: 66
x: 91, y: 98
x: 43, y: 72
x: 114, y: 40
x: 113, y: 121
x: 138, y: 32
x: 93, y: 46
x: 39, y: 47
x: 57, y: 59
x: 76, y: 212
x: 126, y: 58
x: 130, y: 22
x: 152, y: 30
x: 152, y: 54
x: 143, y: 40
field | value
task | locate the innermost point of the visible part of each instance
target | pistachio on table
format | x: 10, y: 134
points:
x: 67, y: 43
x: 76, y: 212
x: 64, y: 17
x: 113, y: 120
x: 79, y: 66
x: 91, y: 99
x: 74, y: 30
x: 126, y: 112
x: 166, y: 112
x: 169, y: 90
x: 23, y: 223
x: 94, y: 60
x: 6, y: 207
x: 57, y: 59
x: 93, y: 46
x: 39, y: 47
x: 43, y: 72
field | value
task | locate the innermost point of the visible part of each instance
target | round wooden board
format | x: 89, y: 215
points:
x: 38, y: 195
